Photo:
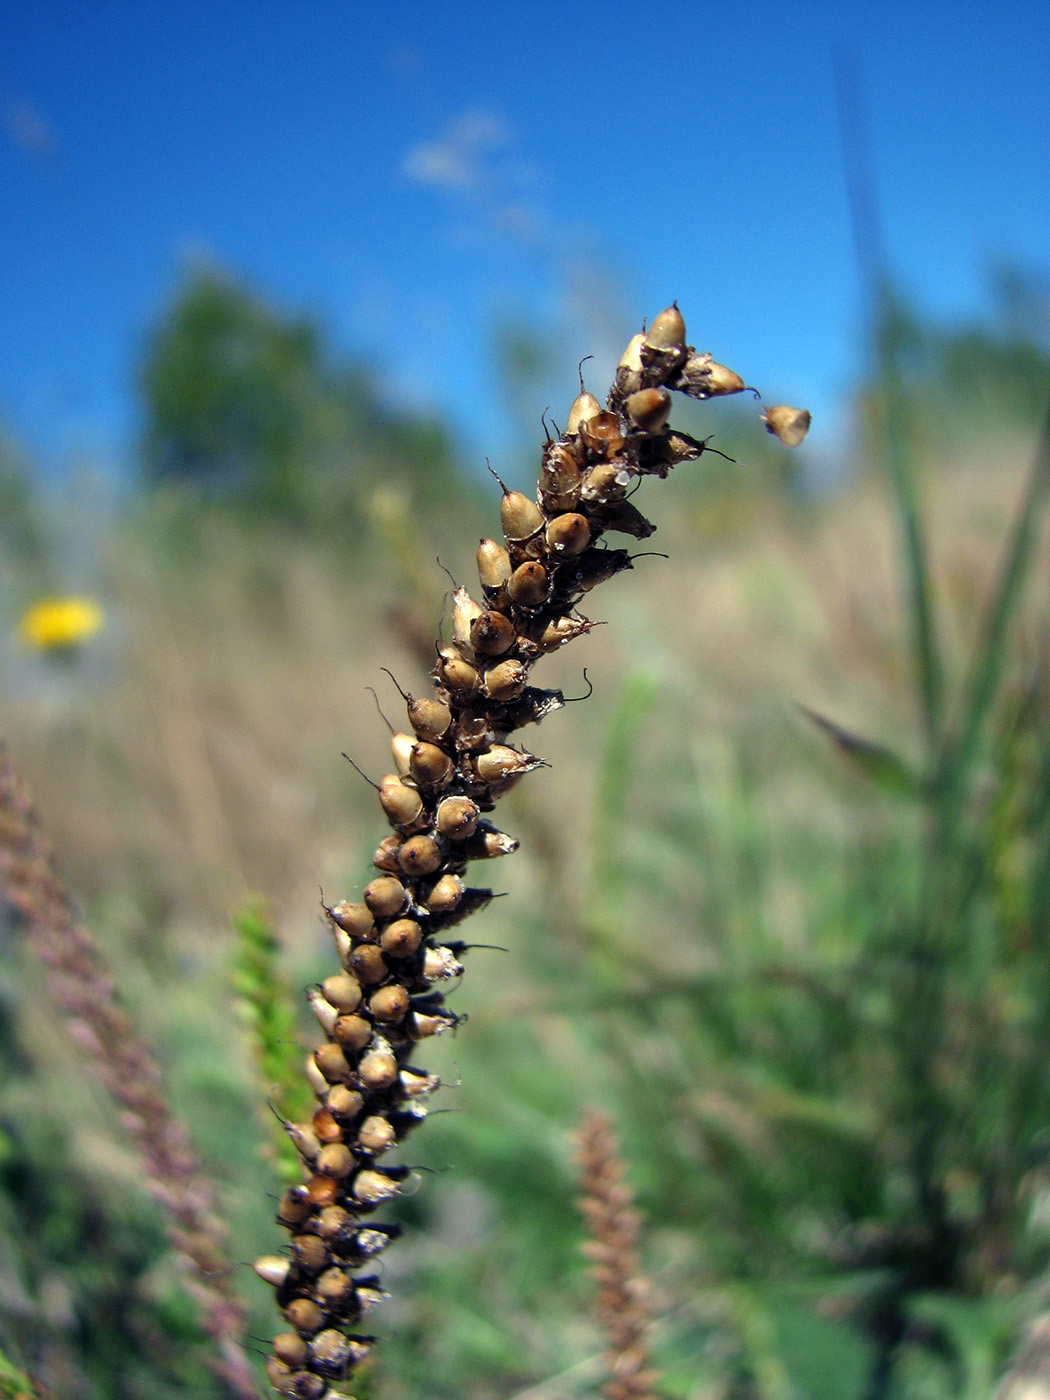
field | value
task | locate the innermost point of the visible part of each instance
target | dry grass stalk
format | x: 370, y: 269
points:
x: 452, y: 764
x: 85, y: 993
x: 613, y: 1229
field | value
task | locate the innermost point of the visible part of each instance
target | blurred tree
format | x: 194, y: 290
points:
x: 251, y: 405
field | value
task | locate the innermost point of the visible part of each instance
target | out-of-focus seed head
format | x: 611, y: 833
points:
x: 289, y: 1348
x: 491, y: 634
x: 389, y: 1004
x: 568, y: 534
x: 330, y: 1349
x: 528, y: 584
x: 584, y: 407
x: 431, y: 767
x: 376, y: 1135
x: 789, y: 424
x: 334, y: 1160
x: 667, y: 331
x: 310, y: 1253
x: 457, y: 817
x: 322, y: 1191
x: 294, y: 1206
x: 494, y: 566
x: 386, y: 897
x: 371, y: 1187
x: 326, y: 1126
x: 520, y: 517
x: 420, y: 855
x: 506, y: 680
x: 649, y: 409
x: 272, y: 1269
x: 305, y: 1316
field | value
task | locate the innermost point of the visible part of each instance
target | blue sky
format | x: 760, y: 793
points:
x: 418, y: 174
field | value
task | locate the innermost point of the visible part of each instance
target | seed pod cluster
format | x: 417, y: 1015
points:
x: 452, y: 763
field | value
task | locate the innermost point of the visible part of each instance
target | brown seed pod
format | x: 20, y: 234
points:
x: 584, y: 407
x: 333, y: 1221
x: 559, y: 478
x: 502, y: 762
x: 355, y: 919
x: 342, y: 991
x: 330, y: 1349
x: 378, y: 1069
x: 353, y: 1032
x: 423, y: 1025
x: 553, y: 635
x: 667, y: 331
x: 332, y: 1063
x: 420, y: 855
x: 701, y: 377
x: 304, y: 1140
x: 326, y: 1126
x: 487, y: 843
x: 386, y: 897
x: 431, y: 767
x: 505, y: 681
x: 520, y: 517
x: 336, y: 1160
x: 305, y: 1316
x: 322, y: 1191
x: 491, y: 634
x: 598, y: 565
x: 389, y: 1004
x: 461, y: 678
x: 400, y: 751
x: 310, y: 1253
x: 376, y: 1135
x: 272, y: 1269
x: 289, y: 1348
x: 366, y: 963
x: 443, y: 895
x: 630, y: 372
x: 401, y: 938
x: 649, y: 409
x: 293, y: 1207
x: 494, y: 567
x: 429, y: 717
x: 457, y: 817
x: 603, y: 434
x: 440, y: 965
x: 528, y: 585
x: 344, y: 1101
x: 568, y: 534
x: 626, y: 519
x: 789, y: 424
x: 385, y: 855
x: 326, y: 1013
x: 606, y: 483
x: 372, y: 1187
x: 464, y: 611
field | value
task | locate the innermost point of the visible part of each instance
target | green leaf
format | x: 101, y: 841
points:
x: 881, y: 765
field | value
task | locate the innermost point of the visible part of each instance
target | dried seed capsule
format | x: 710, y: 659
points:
x: 584, y: 406
x: 440, y: 965
x: 310, y: 1253
x: 389, y: 1004
x: 378, y: 1069
x: 367, y: 965
x: 491, y: 634
x: 559, y: 487
x: 423, y: 1025
x: 520, y: 517
x: 372, y: 1187
x: 464, y: 611
x: 494, y: 566
x: 789, y: 424
x: 325, y: 1126
x: 457, y: 817
x: 332, y: 1063
x: 603, y: 434
x: 401, y: 938
x: 318, y: 1083
x: 667, y: 331
x: 649, y: 409
x: 334, y: 1160
x: 272, y: 1269
x: 459, y: 676
x: 528, y: 585
x: 342, y: 991
x: 385, y: 855
x: 326, y: 1014
x: 289, y: 1348
x: 279, y: 1375
x: 626, y: 519
x: 598, y: 565
x: 344, y: 1101
x: 563, y: 629
x: 386, y: 897
x: 415, y: 1084
x: 443, y: 895
x: 355, y: 919
x: 606, y: 483
x: 401, y: 803
x: 302, y: 1385
x: 376, y: 1135
x: 420, y: 855
x: 400, y: 750
x: 431, y: 766
x: 304, y: 1140
x: 322, y: 1191
x: 506, y: 680
x: 305, y: 1316
x: 487, y: 843
x: 701, y: 377
x: 429, y: 717
x: 332, y: 1221
x: 502, y: 762
x: 630, y: 371
x: 353, y: 1032
x: 294, y: 1206
x: 568, y: 534
x: 330, y: 1349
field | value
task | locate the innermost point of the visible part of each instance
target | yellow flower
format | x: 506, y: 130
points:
x: 56, y: 624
